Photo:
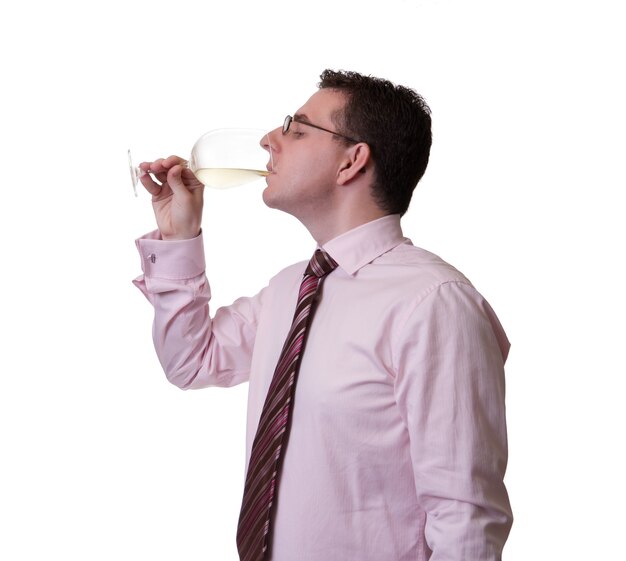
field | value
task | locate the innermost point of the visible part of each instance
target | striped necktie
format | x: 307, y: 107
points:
x: 262, y: 477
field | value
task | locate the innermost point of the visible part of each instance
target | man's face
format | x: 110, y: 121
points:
x: 306, y: 160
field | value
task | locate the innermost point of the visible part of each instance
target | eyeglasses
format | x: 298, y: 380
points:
x: 289, y: 119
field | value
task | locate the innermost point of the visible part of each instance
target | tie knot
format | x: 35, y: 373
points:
x: 321, y: 264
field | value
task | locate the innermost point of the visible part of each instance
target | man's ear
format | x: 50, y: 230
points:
x: 356, y: 163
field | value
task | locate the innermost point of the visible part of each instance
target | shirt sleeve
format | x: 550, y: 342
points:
x: 195, y: 350
x: 451, y: 393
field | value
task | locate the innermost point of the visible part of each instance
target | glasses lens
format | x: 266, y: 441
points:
x: 286, y: 124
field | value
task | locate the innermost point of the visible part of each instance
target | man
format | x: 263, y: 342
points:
x: 396, y: 445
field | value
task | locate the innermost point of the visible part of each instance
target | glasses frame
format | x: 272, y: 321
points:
x: 289, y: 119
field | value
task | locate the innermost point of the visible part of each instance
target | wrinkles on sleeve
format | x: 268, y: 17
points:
x: 449, y: 386
x: 140, y: 283
x: 194, y: 349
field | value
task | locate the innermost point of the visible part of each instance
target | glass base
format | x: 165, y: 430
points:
x: 135, y: 173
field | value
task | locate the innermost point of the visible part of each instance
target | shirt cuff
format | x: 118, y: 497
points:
x: 171, y: 259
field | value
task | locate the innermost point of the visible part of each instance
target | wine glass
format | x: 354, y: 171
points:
x: 223, y: 158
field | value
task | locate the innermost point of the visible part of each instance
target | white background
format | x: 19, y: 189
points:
x: 100, y: 457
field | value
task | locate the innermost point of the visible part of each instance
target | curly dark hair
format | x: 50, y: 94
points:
x: 395, y: 123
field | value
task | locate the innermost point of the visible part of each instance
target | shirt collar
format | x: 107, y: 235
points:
x: 358, y: 247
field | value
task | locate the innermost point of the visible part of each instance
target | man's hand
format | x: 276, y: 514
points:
x: 177, y: 197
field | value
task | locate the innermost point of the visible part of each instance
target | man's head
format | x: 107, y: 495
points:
x: 395, y: 123
x: 352, y: 153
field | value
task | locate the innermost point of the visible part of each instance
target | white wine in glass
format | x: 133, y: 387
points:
x: 224, y: 158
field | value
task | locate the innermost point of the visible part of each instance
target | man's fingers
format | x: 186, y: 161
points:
x: 169, y: 172
x: 172, y: 161
x: 175, y: 181
x: 151, y: 186
x: 162, y: 176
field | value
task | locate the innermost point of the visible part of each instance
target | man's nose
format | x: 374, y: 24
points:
x: 269, y: 141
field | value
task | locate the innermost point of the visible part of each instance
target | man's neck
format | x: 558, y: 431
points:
x: 327, y: 228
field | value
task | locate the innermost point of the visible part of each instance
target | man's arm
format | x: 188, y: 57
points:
x: 194, y: 349
x: 450, y: 389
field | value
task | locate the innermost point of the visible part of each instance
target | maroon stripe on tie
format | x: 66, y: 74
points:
x: 262, y: 478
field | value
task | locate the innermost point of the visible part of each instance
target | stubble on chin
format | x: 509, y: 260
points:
x: 267, y: 197
x: 271, y: 198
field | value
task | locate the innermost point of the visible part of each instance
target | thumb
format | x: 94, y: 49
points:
x: 175, y: 181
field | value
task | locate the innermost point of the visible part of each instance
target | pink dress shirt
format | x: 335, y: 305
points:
x: 398, y: 447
